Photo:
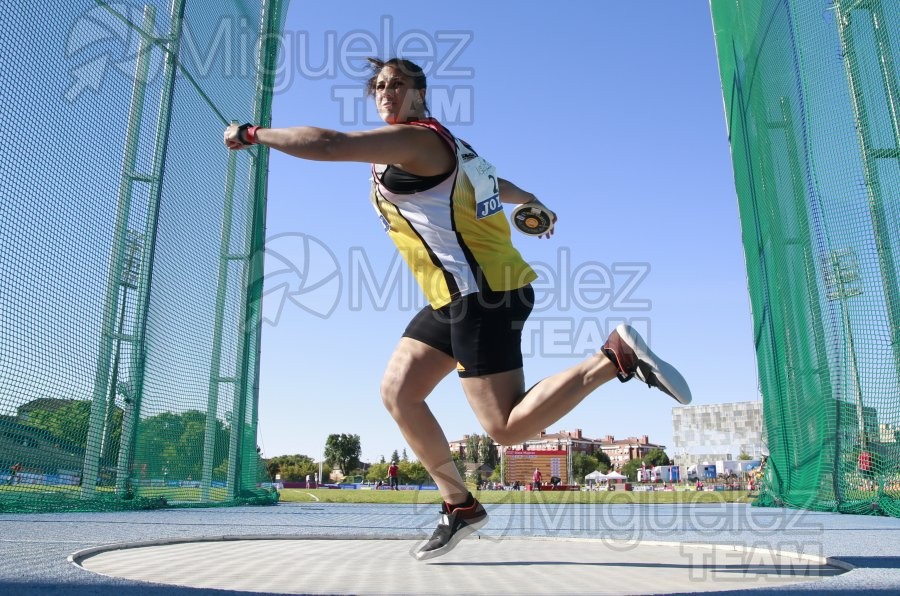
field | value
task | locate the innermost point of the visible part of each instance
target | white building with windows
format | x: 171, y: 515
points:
x: 715, y: 432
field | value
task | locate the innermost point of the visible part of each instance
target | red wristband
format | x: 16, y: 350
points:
x: 250, y: 135
x: 247, y: 134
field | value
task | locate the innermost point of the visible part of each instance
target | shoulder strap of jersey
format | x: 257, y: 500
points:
x: 439, y: 128
x: 430, y: 123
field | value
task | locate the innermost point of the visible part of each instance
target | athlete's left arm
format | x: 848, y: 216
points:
x: 510, y: 193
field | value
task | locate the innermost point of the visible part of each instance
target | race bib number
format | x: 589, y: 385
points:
x: 483, y: 177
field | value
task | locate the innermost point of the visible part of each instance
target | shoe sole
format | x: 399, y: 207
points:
x: 670, y: 380
x: 454, y: 540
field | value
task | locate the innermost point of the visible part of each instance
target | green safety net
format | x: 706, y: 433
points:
x: 812, y: 101
x: 131, y: 252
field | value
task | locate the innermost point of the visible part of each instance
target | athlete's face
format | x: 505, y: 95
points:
x: 395, y: 97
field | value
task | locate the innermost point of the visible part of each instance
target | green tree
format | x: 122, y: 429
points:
x: 360, y: 470
x: 472, y: 452
x: 487, y: 451
x: 187, y: 459
x: 293, y: 468
x: 404, y: 457
x: 582, y: 465
x: 171, y: 445
x: 156, y: 434
x: 630, y: 469
x: 66, y: 420
x: 110, y: 456
x: 395, y: 456
x: 343, y: 451
x: 413, y: 472
x: 744, y: 456
x: 377, y: 472
x: 220, y: 472
x: 656, y: 457
x: 603, y: 460
x: 272, y: 469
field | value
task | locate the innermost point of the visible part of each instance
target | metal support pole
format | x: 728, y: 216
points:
x: 249, y: 344
x: 821, y: 371
x: 212, y: 404
x: 765, y: 325
x: 102, y: 379
x: 161, y: 138
x: 876, y: 199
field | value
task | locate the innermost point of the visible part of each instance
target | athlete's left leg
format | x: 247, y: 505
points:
x: 511, y: 415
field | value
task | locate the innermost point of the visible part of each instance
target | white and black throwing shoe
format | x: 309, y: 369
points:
x: 629, y: 352
x: 455, y: 524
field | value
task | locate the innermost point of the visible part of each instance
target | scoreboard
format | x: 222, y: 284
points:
x: 520, y: 465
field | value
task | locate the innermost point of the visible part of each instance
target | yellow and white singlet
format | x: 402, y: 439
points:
x: 452, y: 250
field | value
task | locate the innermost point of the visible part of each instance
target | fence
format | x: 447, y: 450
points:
x: 131, y: 247
x: 812, y: 100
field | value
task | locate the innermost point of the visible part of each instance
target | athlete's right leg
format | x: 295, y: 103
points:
x: 413, y: 371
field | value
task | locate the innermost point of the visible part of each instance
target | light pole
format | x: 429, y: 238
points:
x: 841, y: 272
x: 131, y: 268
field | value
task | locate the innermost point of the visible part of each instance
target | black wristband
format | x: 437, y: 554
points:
x: 242, y: 134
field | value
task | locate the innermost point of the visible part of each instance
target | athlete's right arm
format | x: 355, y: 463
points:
x: 413, y: 148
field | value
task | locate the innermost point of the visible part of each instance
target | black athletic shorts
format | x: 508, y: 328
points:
x: 482, y: 331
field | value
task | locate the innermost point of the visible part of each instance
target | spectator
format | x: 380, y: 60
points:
x: 536, y: 479
x: 392, y: 476
x: 14, y: 473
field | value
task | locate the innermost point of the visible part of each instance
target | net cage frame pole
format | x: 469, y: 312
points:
x: 226, y: 257
x: 870, y: 154
x: 764, y: 327
x: 171, y: 49
x: 132, y: 410
x: 170, y: 45
x: 820, y: 371
x: 215, y: 373
x: 118, y: 284
x: 250, y: 339
x: 128, y: 412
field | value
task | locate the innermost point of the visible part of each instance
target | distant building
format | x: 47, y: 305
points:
x: 36, y: 450
x: 573, y: 440
x: 459, y: 447
x: 715, y: 432
x: 622, y: 450
x: 553, y: 451
x: 42, y: 404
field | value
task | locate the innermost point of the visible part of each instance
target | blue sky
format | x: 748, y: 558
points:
x: 610, y: 112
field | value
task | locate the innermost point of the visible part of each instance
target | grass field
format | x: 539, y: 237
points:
x: 324, y: 495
